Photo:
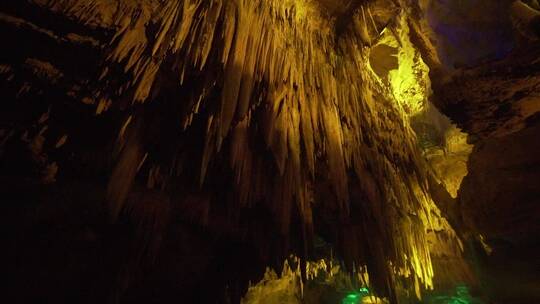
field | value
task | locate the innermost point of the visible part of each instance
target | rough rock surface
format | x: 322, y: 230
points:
x: 494, y: 98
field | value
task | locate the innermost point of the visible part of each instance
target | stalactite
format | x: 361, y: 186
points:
x: 285, y: 102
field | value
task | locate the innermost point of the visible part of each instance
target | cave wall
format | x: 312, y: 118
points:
x: 499, y: 200
x: 494, y: 99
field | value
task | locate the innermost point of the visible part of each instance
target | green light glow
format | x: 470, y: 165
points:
x: 364, y: 290
x: 355, y: 297
x: 350, y: 299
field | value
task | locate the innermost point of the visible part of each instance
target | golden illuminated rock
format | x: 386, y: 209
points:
x: 270, y: 93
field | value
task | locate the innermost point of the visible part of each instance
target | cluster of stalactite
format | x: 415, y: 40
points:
x: 249, y: 103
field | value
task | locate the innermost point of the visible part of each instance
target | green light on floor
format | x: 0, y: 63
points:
x: 355, y: 297
x: 351, y: 299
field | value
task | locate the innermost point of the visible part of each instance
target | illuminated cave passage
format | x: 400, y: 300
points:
x: 271, y: 151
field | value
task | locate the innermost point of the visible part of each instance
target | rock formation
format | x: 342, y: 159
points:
x: 153, y: 150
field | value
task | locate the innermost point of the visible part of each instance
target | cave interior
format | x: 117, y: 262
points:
x: 271, y: 151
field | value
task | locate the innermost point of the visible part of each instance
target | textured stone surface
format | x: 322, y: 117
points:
x: 500, y: 200
x: 501, y: 195
x: 496, y: 102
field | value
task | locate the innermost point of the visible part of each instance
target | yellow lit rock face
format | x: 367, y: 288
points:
x: 444, y: 146
x: 451, y: 165
x: 398, y: 64
x: 408, y: 75
x: 286, y: 288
